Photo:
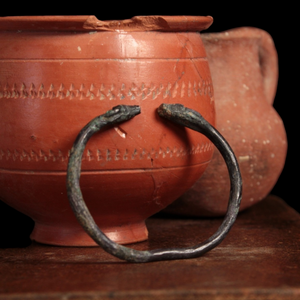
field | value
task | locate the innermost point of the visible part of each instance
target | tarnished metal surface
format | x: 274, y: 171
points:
x: 183, y: 116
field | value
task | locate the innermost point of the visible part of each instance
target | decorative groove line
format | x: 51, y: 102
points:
x: 103, y: 155
x: 108, y: 91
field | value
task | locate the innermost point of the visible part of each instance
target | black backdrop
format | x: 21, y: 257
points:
x: 278, y: 21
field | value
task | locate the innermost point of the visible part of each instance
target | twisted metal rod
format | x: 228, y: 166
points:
x: 178, y: 114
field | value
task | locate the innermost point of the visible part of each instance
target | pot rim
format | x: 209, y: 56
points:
x: 91, y: 23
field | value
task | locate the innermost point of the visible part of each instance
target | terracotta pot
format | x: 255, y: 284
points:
x: 244, y: 68
x: 58, y: 73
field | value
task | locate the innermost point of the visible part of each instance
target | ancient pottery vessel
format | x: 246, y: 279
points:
x: 57, y: 74
x: 244, y: 68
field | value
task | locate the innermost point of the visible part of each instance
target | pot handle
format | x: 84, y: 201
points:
x: 268, y: 60
x: 175, y: 113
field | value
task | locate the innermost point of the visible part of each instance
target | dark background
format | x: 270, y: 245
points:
x: 277, y: 20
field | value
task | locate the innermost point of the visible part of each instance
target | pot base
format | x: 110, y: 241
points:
x: 76, y: 236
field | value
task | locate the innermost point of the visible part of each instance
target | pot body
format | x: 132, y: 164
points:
x: 244, y: 67
x: 52, y: 83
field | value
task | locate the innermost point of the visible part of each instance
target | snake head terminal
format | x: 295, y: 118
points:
x: 179, y: 114
x: 122, y: 113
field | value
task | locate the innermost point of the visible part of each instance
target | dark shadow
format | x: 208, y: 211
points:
x: 15, y: 228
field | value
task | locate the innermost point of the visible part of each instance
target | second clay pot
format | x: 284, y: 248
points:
x: 244, y: 68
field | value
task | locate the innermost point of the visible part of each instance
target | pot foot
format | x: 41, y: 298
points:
x: 76, y: 236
